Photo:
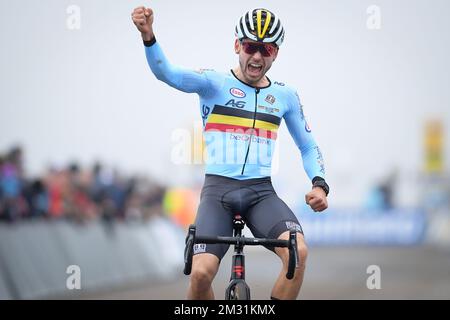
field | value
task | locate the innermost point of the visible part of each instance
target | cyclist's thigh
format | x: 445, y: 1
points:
x: 270, y: 217
x: 213, y: 220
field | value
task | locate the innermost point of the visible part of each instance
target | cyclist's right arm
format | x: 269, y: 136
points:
x: 179, y: 78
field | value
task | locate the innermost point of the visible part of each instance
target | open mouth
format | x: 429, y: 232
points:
x: 254, y: 68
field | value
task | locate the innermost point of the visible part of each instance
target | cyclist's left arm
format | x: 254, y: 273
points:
x: 301, y: 133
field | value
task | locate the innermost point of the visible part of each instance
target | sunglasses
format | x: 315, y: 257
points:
x: 265, y: 49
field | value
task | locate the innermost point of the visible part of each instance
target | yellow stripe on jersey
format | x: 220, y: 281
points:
x: 215, y: 118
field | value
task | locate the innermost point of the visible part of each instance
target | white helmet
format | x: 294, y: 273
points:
x: 260, y: 25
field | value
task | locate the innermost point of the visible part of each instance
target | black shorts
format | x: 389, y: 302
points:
x: 266, y: 215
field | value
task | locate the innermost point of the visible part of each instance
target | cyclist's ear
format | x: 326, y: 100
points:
x: 237, y: 46
x: 275, y: 55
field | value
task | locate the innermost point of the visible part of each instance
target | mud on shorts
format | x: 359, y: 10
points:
x: 266, y: 215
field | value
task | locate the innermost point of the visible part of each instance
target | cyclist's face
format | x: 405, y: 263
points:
x: 255, y: 59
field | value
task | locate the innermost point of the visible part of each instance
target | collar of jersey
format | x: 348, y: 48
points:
x: 234, y: 75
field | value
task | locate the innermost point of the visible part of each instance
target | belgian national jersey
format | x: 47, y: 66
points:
x: 240, y: 122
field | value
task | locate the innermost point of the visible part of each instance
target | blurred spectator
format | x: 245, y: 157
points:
x: 77, y: 203
x: 15, y: 157
x: 387, y: 188
x: 74, y: 194
x: 13, y: 205
x: 55, y: 185
x: 382, y: 195
x: 154, y: 200
x: 37, y: 198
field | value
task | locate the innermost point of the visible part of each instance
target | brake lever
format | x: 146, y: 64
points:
x: 293, y: 262
x: 188, y: 250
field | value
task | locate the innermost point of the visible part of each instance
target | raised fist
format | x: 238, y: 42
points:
x: 143, y: 19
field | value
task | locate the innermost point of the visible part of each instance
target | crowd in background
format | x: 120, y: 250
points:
x: 74, y: 193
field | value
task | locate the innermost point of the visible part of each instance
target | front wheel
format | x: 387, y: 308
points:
x: 238, y: 291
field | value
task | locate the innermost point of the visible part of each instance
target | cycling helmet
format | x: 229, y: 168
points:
x: 260, y: 25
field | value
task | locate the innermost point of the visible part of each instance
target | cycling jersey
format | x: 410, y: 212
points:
x: 240, y: 122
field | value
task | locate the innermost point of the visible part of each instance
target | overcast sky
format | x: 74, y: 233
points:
x: 87, y: 94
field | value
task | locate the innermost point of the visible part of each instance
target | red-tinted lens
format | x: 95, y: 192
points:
x: 266, y: 50
x: 249, y: 48
x: 269, y: 48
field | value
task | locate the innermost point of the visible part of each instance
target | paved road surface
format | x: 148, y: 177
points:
x: 332, y: 273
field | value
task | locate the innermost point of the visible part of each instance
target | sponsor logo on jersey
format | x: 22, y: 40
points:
x: 301, y: 106
x: 238, y: 93
x: 293, y: 225
x: 199, y: 247
x: 279, y: 83
x: 302, y: 115
x: 320, y: 160
x: 205, y: 112
x: 200, y: 71
x: 268, y: 109
x: 237, y: 104
x: 307, y: 127
x: 247, y: 135
x: 270, y: 99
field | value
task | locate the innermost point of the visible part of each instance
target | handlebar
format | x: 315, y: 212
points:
x: 189, y: 250
x: 242, y: 240
x: 293, y: 254
x: 291, y: 244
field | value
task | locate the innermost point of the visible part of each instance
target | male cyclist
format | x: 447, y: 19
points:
x: 241, y: 112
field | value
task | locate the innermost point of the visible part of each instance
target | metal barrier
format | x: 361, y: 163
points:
x: 35, y: 255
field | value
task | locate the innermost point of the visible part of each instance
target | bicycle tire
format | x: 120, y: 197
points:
x: 239, y: 291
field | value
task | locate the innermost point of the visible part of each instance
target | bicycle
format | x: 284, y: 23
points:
x: 238, y: 288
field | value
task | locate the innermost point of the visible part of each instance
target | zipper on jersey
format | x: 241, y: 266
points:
x: 253, y: 129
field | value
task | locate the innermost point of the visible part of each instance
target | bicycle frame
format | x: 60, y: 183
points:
x: 238, y: 265
x: 237, y: 279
